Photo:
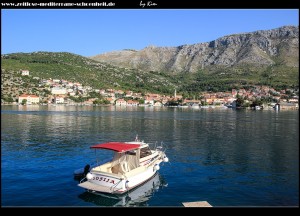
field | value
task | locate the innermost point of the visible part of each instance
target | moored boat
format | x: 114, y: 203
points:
x: 133, y: 163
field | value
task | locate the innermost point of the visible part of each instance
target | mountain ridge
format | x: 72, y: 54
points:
x: 262, y: 47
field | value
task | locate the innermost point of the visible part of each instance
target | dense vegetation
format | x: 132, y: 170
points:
x: 225, y: 78
x: 77, y: 68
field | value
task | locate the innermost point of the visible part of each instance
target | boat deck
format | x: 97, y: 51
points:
x: 93, y: 187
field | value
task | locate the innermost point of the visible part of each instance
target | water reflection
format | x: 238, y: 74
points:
x: 136, y: 197
x: 227, y: 157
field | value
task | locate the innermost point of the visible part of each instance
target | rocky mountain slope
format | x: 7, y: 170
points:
x: 260, y: 48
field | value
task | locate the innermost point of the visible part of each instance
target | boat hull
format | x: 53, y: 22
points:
x: 114, y: 184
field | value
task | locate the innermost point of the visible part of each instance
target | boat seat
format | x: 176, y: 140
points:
x: 115, y: 169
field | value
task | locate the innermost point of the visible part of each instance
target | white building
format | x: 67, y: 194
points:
x: 58, y: 91
x: 70, y: 84
x: 59, y: 100
x: 121, y: 102
x: 132, y: 103
x: 30, y: 99
x: 25, y: 72
x: 56, y: 80
x: 129, y: 93
x: 149, y: 101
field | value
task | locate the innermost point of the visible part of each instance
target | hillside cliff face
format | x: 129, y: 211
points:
x: 265, y: 47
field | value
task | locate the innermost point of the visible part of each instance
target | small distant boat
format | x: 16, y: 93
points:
x: 195, y: 106
x: 277, y: 106
x: 133, y: 163
x: 183, y: 106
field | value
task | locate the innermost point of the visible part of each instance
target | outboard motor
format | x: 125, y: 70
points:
x: 86, y: 169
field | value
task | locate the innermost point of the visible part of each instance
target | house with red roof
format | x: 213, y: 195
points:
x: 30, y: 99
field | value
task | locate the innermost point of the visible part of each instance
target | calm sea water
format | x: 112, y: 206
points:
x: 223, y: 156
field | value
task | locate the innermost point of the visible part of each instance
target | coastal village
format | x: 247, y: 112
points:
x: 59, y: 91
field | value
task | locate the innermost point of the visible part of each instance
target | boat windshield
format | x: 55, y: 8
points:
x: 146, y: 151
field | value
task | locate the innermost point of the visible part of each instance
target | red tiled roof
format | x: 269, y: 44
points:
x: 25, y: 95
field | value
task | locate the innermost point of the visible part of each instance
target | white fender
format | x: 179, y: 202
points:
x: 89, y: 176
x: 156, y: 167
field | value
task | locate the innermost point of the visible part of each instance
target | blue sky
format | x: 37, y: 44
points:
x: 91, y: 32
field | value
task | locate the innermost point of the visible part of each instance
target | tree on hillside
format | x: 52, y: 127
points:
x: 256, y: 102
x: 239, y: 101
x: 24, y: 101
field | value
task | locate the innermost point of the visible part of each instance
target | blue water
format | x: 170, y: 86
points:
x: 223, y: 156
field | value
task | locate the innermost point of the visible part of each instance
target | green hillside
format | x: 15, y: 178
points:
x: 225, y: 78
x: 71, y: 67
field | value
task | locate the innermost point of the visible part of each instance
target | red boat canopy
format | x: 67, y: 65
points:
x: 116, y: 146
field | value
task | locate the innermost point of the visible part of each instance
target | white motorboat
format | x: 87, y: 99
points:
x: 133, y: 163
